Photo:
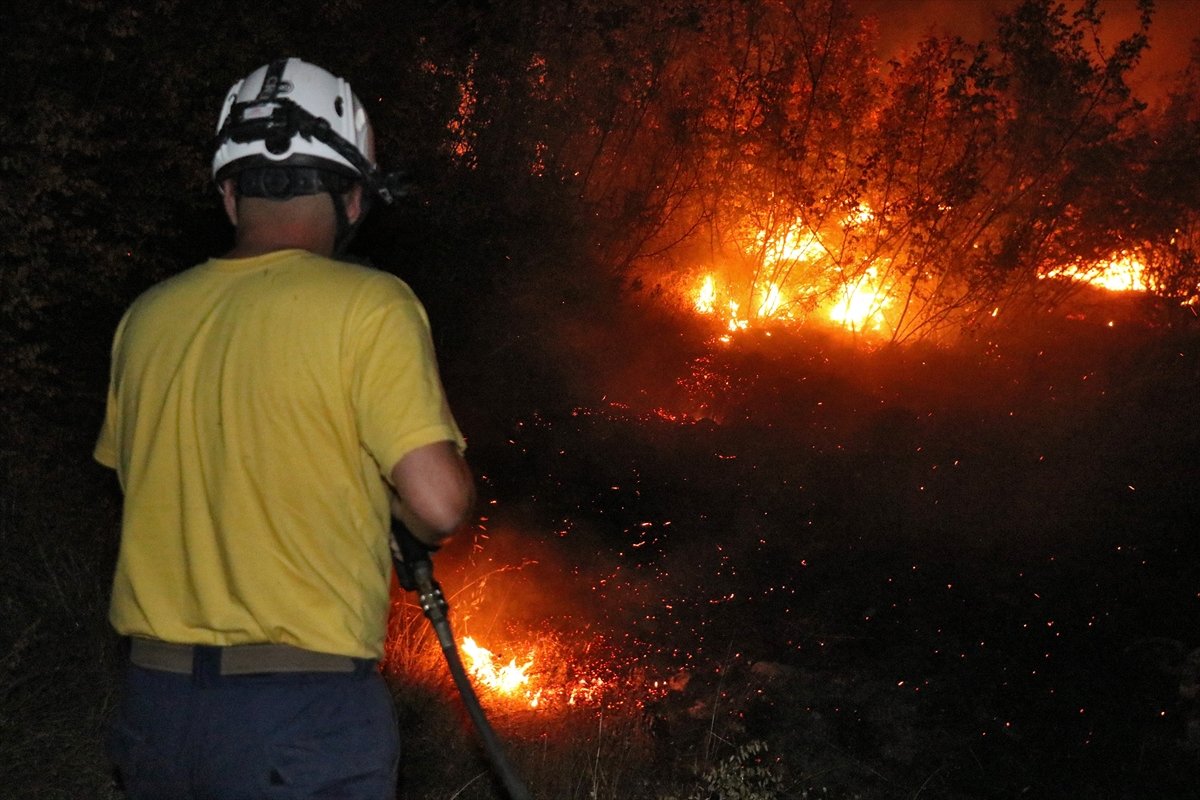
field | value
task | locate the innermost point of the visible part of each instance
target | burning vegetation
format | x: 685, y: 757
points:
x: 865, y: 304
x: 820, y: 453
x: 760, y: 166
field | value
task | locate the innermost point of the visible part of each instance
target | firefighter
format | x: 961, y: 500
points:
x: 267, y: 413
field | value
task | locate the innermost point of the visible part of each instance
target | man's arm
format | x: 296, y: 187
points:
x: 435, y: 491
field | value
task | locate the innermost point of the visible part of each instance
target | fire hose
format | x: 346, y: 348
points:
x: 414, y: 571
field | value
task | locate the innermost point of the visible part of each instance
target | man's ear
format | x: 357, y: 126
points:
x: 229, y: 200
x: 353, y: 200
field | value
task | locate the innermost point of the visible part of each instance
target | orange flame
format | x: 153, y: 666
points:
x: 706, y: 297
x: 544, y: 682
x: 857, y: 304
x: 1122, y: 272
x: 509, y: 679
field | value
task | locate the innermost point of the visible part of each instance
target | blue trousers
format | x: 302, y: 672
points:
x: 206, y: 736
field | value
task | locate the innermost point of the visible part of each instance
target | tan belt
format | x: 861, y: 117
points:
x: 243, y: 659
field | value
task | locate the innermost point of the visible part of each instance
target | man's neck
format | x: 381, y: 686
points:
x: 248, y: 250
x: 251, y: 246
x: 267, y: 226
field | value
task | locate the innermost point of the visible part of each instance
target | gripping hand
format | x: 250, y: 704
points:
x: 409, y: 556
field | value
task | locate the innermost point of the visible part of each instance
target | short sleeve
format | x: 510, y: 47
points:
x: 396, y: 390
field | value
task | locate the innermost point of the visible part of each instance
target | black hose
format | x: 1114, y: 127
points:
x: 434, y: 604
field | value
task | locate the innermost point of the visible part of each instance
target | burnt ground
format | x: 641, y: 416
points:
x: 938, y: 572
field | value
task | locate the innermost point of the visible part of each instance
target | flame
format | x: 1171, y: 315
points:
x: 856, y: 304
x: 860, y: 303
x: 802, y: 272
x: 705, y: 302
x: 860, y: 216
x: 771, y: 302
x: 706, y: 297
x: 510, y: 679
x: 796, y: 244
x: 554, y: 676
x: 1121, y: 272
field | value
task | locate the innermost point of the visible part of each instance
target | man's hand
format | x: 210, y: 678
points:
x: 407, y: 553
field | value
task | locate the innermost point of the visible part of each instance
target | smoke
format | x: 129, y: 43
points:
x: 904, y: 22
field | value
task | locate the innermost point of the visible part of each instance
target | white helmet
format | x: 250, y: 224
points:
x: 290, y: 113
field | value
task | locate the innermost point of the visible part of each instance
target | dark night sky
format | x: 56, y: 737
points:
x: 1176, y: 24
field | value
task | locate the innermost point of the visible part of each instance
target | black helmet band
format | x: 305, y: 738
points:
x: 283, y: 182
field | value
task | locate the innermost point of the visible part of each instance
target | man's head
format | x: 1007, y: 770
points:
x: 293, y: 130
x: 309, y: 222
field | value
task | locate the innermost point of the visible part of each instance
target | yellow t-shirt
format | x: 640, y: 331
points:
x: 255, y: 408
